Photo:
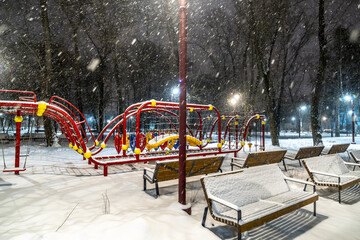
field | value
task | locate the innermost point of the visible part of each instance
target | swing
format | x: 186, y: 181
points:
x: 23, y: 168
x: 15, y: 169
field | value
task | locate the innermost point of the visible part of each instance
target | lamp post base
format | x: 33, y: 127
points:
x: 187, y: 210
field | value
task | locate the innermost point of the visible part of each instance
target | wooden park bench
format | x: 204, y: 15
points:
x: 251, y: 197
x: 356, y: 156
x: 336, y: 148
x: 258, y: 158
x: 331, y: 171
x: 34, y: 136
x: 303, y: 152
x: 169, y: 169
x: 4, y: 138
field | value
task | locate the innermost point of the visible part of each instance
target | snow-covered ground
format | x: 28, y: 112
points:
x: 60, y: 196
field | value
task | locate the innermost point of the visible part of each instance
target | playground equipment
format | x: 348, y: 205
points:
x: 146, y: 131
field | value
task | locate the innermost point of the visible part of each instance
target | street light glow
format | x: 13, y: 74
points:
x: 347, y: 98
x: 303, y: 107
x: 175, y: 91
x: 232, y: 101
x: 237, y: 97
x: 324, y: 118
x: 293, y: 119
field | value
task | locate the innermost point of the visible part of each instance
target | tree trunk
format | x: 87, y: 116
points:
x: 47, y: 72
x: 119, y: 85
x: 270, y: 110
x: 320, y: 79
x: 77, y: 71
x: 101, y: 86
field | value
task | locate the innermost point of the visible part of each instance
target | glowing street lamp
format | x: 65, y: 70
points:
x: 351, y: 98
x: 234, y: 100
x: 301, y: 108
x: 175, y: 91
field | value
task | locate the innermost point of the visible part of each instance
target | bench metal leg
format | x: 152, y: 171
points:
x: 157, y: 188
x: 339, y: 195
x: 299, y: 162
x: 105, y: 170
x: 232, y: 167
x: 204, y: 217
x: 314, y: 208
x: 239, y: 227
x: 144, y: 180
x: 306, y: 184
x: 284, y: 164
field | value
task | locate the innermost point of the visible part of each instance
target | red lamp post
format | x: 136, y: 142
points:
x: 182, y: 106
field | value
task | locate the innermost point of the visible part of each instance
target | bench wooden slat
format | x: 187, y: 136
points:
x: 304, y: 152
x: 262, y: 158
x: 169, y: 169
x: 338, y: 148
x: 307, y: 152
x: 355, y: 155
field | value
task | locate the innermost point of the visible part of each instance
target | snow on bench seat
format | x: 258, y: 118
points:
x: 331, y: 170
x: 251, y: 197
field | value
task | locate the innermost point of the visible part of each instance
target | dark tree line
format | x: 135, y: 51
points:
x: 106, y: 55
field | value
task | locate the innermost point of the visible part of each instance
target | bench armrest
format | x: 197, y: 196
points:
x: 325, y: 174
x: 299, y: 181
x: 223, y: 202
x: 147, y: 176
x: 236, y: 164
x: 148, y: 170
x: 352, y: 164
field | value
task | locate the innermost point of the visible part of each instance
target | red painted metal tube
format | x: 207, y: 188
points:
x: 22, y: 92
x: 76, y: 118
x: 17, y: 145
x: 56, y: 97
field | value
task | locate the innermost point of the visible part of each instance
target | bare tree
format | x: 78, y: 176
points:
x: 320, y: 78
x: 47, y: 72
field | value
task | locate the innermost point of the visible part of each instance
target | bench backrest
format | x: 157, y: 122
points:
x: 328, y: 163
x: 338, y: 148
x: 308, y: 152
x: 262, y: 158
x: 169, y: 169
x: 355, y: 155
x: 4, y: 136
x: 245, y: 186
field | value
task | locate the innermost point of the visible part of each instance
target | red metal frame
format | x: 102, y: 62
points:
x: 17, y: 145
x: 68, y: 123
